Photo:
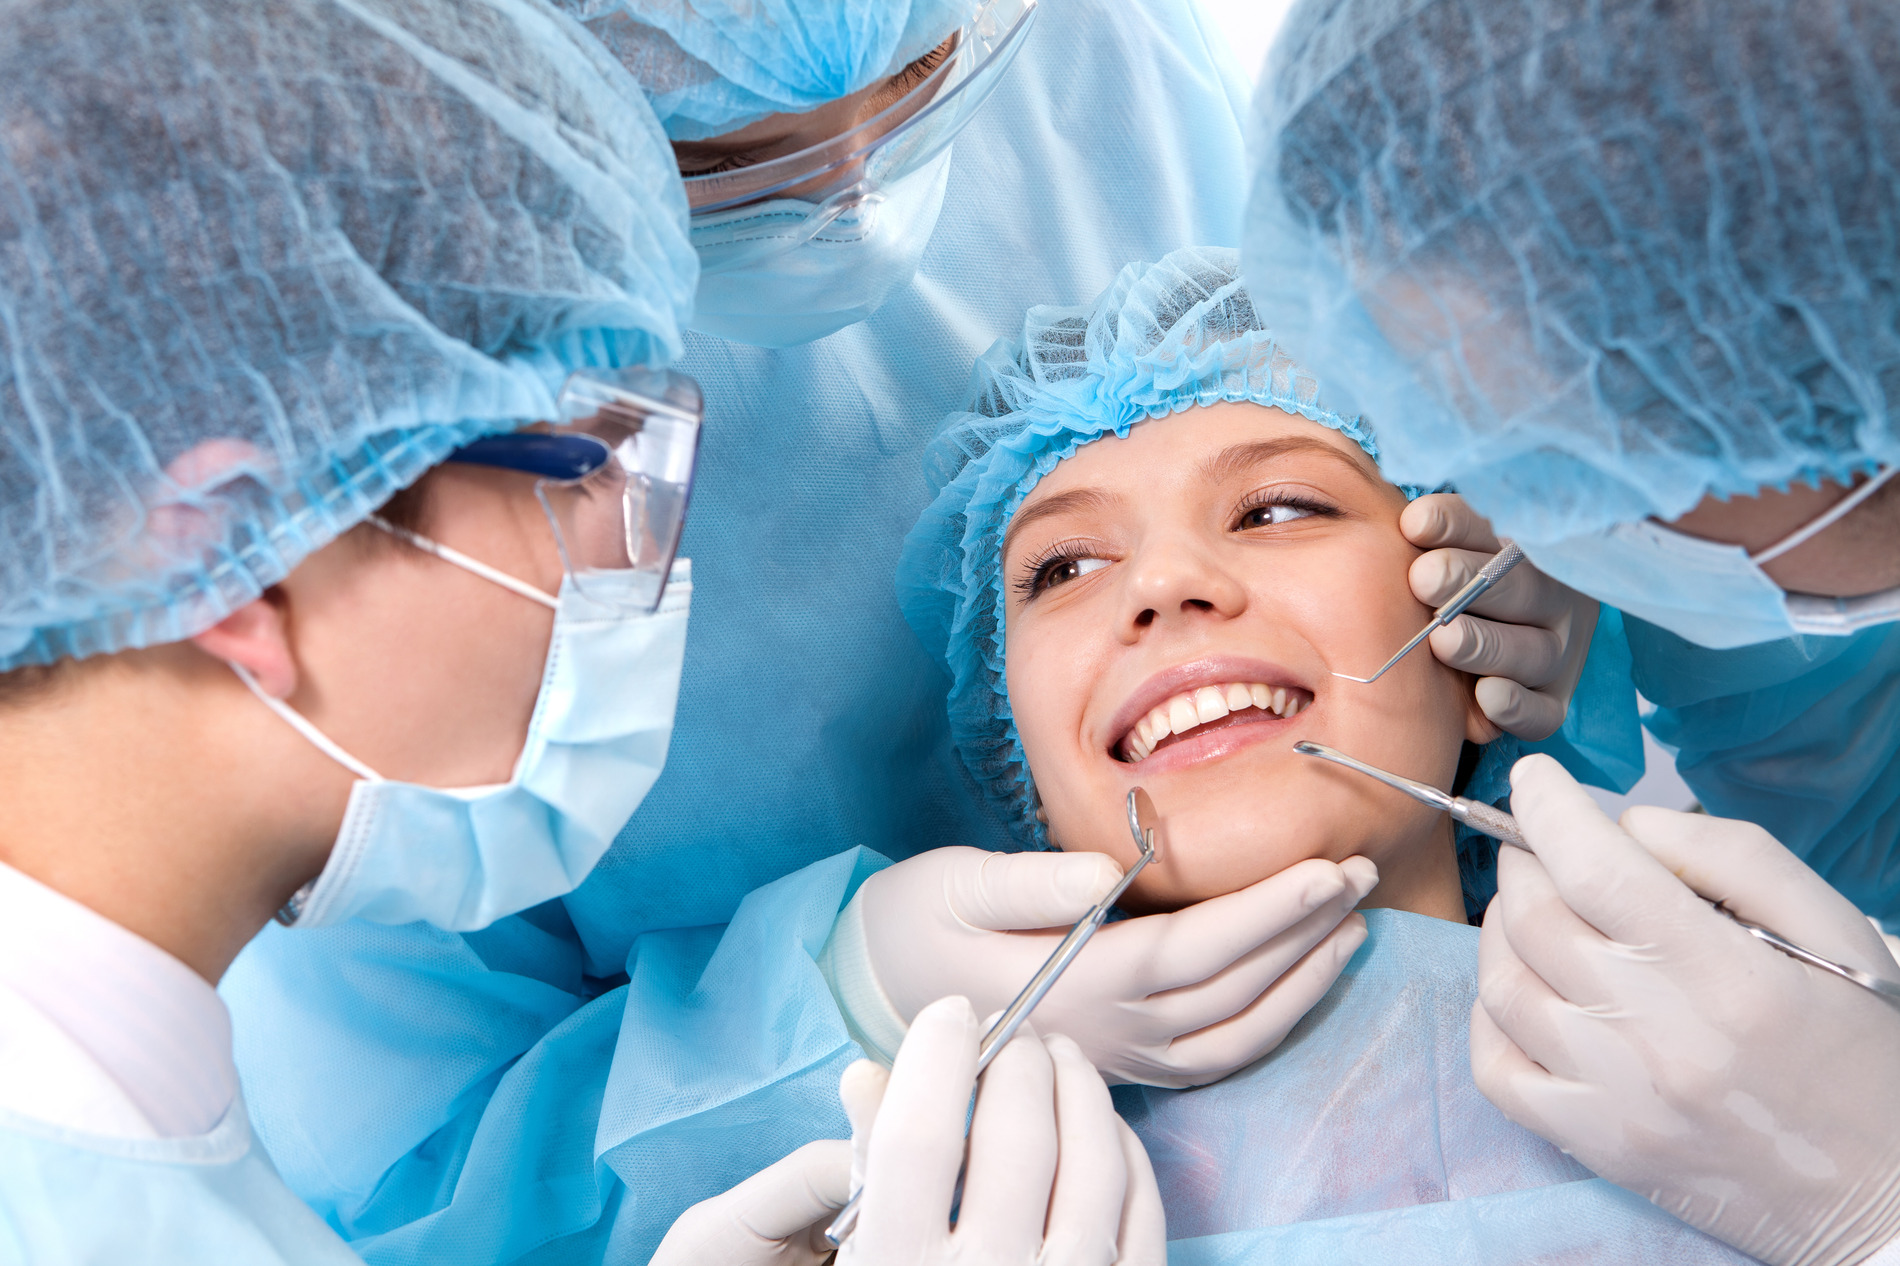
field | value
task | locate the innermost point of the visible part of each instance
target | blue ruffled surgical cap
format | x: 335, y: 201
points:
x: 713, y: 66
x: 263, y: 264
x: 1165, y: 338
x: 1590, y: 262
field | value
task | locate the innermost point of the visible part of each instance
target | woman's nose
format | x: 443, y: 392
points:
x: 1177, y: 580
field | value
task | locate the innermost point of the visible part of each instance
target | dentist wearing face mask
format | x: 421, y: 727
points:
x: 306, y: 616
x: 876, y: 191
x: 1625, y: 277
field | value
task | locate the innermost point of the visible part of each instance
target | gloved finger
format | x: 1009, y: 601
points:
x: 1746, y: 869
x: 1219, y: 1049
x: 1485, y: 648
x: 1226, y: 993
x: 778, y: 1214
x: 1515, y: 709
x: 1143, y: 1240
x: 1085, y: 1208
x: 1444, y: 519
x: 1562, y: 951
x: 917, y: 1141
x: 1191, y: 945
x: 1013, y: 1152
x: 1524, y: 1006
x: 1507, y: 1076
x: 1006, y: 892
x: 1610, y: 880
x: 861, y: 1090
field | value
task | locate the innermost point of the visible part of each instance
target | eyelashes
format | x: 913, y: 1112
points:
x: 1039, y: 572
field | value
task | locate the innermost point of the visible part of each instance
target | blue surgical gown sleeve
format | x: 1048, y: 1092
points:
x: 811, y: 722
x: 1801, y: 736
x: 1601, y: 741
x: 497, y: 1113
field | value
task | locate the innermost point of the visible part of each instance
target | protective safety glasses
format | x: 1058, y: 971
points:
x: 854, y: 167
x: 614, y: 475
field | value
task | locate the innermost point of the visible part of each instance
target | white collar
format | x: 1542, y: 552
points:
x: 153, y: 1024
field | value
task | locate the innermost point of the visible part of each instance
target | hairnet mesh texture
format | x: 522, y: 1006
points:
x: 1598, y: 259
x: 261, y: 265
x: 713, y: 66
x: 1164, y: 338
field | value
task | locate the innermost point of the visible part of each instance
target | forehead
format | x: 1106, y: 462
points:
x: 1201, y: 443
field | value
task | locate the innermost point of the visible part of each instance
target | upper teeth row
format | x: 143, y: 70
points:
x: 1210, y: 703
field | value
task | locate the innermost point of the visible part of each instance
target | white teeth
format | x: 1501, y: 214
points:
x: 1208, y: 704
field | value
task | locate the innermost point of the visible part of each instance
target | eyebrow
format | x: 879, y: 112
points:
x: 1062, y: 503
x: 1238, y: 458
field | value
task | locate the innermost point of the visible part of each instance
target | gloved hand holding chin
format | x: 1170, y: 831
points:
x: 1622, y: 1017
x: 1178, y: 999
x: 1526, y: 640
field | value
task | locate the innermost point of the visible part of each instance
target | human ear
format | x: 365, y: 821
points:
x: 256, y: 637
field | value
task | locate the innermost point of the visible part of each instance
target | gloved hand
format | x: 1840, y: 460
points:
x: 1622, y: 1018
x: 777, y: 1217
x: 1526, y: 639
x: 1176, y: 999
x: 1055, y: 1177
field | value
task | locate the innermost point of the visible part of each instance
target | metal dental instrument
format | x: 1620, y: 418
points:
x: 1500, y: 825
x: 1475, y: 588
x: 1142, y: 820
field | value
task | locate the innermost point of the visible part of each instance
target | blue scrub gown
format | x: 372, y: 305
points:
x: 1801, y: 736
x: 561, y: 1086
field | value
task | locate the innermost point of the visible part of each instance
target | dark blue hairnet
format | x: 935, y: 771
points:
x: 263, y: 264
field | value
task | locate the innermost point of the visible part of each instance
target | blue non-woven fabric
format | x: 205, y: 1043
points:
x: 718, y: 1056
x: 1801, y: 736
x: 810, y: 720
x: 262, y: 265
x: 71, y: 1199
x: 1366, y: 1113
x: 1576, y: 1224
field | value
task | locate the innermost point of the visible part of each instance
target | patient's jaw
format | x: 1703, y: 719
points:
x: 1213, y: 561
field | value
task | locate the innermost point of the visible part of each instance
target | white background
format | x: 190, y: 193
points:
x: 1249, y: 26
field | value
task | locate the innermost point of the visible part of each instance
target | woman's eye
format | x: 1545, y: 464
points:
x: 1064, y: 570
x: 1274, y: 512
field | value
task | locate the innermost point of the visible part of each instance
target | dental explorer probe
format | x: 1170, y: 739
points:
x: 1474, y: 589
x: 1500, y: 825
x: 1141, y: 822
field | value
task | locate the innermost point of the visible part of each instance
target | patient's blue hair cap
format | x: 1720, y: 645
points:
x: 1166, y: 337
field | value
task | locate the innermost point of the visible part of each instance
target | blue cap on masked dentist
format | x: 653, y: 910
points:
x: 214, y: 413
x: 815, y: 138
x: 1595, y: 274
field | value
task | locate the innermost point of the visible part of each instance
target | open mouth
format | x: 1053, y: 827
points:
x: 1209, y: 707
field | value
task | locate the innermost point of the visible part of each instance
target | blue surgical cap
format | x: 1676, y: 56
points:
x: 262, y: 265
x: 713, y: 66
x: 1166, y: 337
x: 1590, y: 262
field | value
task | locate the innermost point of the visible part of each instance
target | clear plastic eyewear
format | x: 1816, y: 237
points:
x: 614, y: 475
x: 853, y: 168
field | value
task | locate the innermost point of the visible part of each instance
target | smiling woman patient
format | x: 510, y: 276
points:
x: 1152, y: 547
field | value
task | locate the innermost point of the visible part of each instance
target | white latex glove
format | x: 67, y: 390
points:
x: 1055, y: 1177
x: 1177, y: 999
x: 1526, y: 640
x: 777, y: 1217
x: 1619, y: 1016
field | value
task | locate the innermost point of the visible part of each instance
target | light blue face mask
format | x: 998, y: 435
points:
x: 1715, y: 595
x: 461, y: 858
x: 784, y: 272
